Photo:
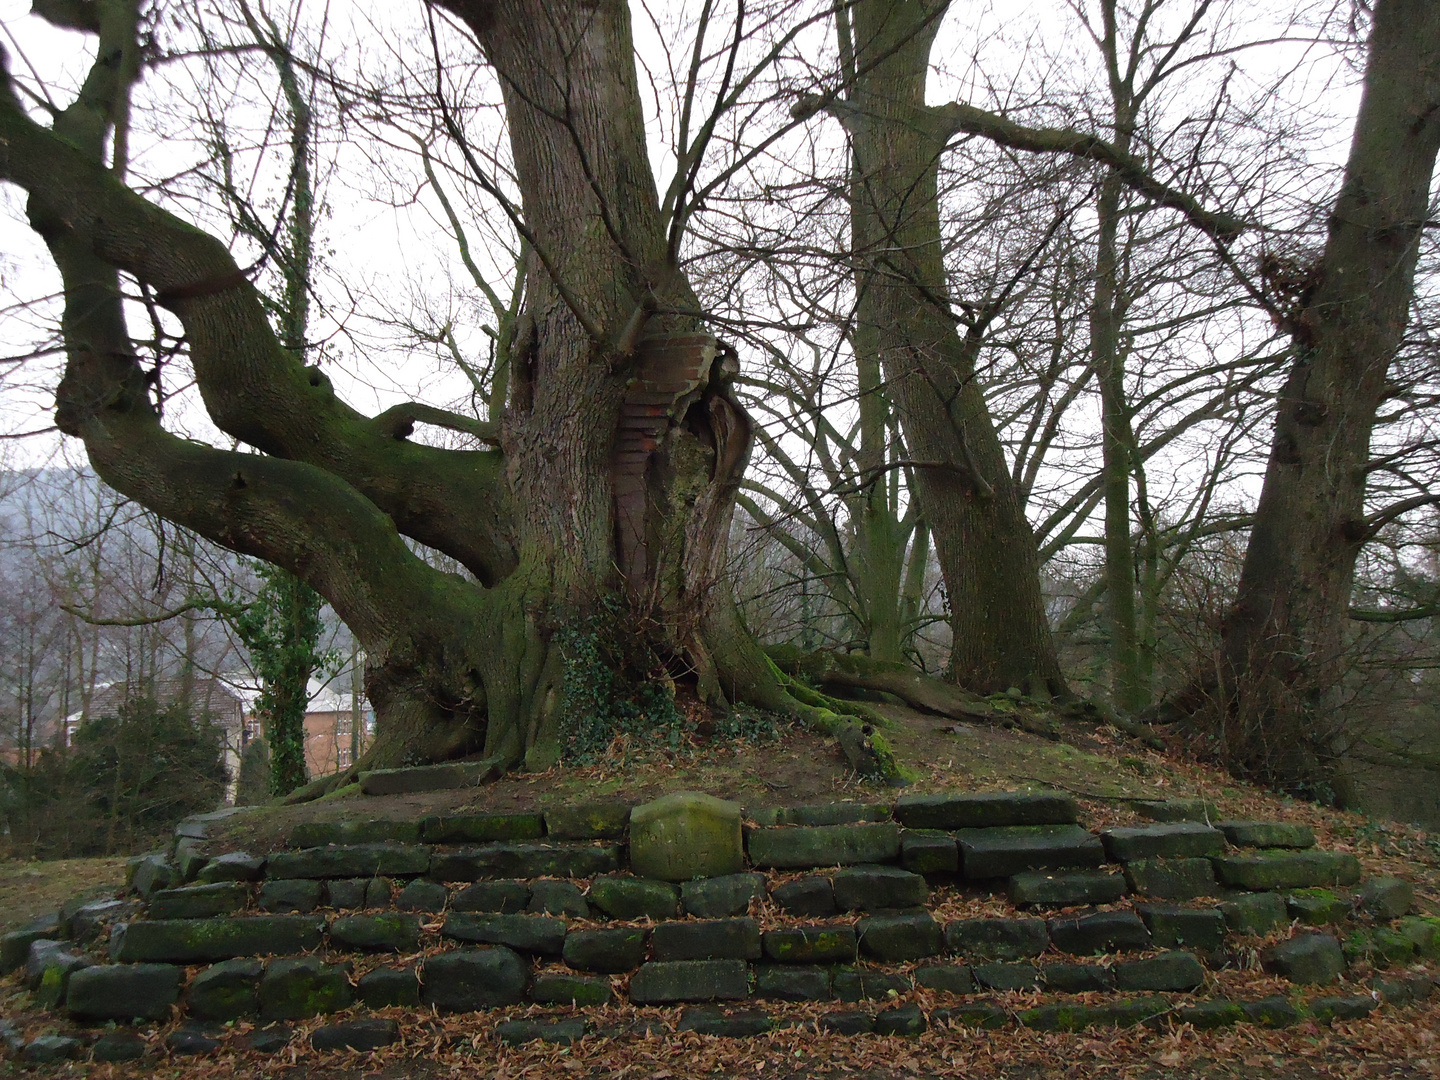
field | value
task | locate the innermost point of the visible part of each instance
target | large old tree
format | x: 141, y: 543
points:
x: 612, y: 472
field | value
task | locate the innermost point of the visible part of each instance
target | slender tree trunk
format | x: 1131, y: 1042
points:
x: 1283, y: 646
x: 986, y: 549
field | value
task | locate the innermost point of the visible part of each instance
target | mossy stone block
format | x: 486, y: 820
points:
x: 1267, y: 834
x: 1327, y: 1010
x: 384, y: 988
x: 1172, y: 840
x: 900, y: 937
x: 792, y: 983
x: 1172, y: 879
x: 905, y: 1020
x: 607, y: 952
x: 1423, y: 932
x: 540, y: 934
x: 1317, y: 907
x: 686, y: 835
x: 576, y: 990
x: 812, y: 944
x: 721, y: 897
x: 198, y: 901
x: 225, y: 991
x: 666, y: 982
x: 123, y: 992
x: 1065, y: 888
x: 795, y: 847
x: 1387, y: 898
x: 588, y: 821
x: 946, y: 978
x: 351, y: 831
x: 499, y: 896
x: 1283, y: 869
x: 300, y: 987
x: 473, y: 979
x: 1309, y: 959
x: 481, y: 828
x: 1202, y: 810
x: 1208, y: 1015
x: 188, y: 941
x: 984, y: 810
x: 635, y: 897
x: 394, y: 931
x: 1254, y: 913
x: 855, y: 984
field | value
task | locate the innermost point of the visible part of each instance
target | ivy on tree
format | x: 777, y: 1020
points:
x: 282, y: 631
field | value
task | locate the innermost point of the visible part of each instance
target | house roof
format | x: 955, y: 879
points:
x: 225, y: 707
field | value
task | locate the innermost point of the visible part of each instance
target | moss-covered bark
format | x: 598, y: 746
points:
x: 618, y: 452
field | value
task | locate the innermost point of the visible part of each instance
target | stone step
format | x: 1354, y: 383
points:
x: 986, y: 810
x: 1267, y: 834
x: 803, y: 847
x: 1006, y: 850
x: 1160, y: 983
x: 1283, y: 869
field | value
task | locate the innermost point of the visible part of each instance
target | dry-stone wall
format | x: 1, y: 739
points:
x: 676, y: 903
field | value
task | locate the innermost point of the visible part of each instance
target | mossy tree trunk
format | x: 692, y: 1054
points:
x: 1276, y: 687
x: 986, y: 549
x: 613, y: 469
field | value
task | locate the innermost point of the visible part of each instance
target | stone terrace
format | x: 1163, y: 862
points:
x: 984, y: 911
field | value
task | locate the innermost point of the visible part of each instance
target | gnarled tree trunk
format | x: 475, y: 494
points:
x: 615, y: 463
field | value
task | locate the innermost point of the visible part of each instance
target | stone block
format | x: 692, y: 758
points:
x: 473, y: 979
x: 1065, y: 888
x: 1067, y: 1018
x: 1309, y: 959
x: 607, y: 952
x: 48, y: 968
x: 809, y: 897
x: 588, y: 821
x: 118, y: 1046
x: 350, y: 861
x: 742, y: 1024
x: 225, y: 991
x: 551, y: 897
x: 369, y: 1033
x: 1327, y: 1010
x: 1208, y: 1015
x: 454, y: 774
x: 558, y: 1032
x: 1317, y: 907
x: 1172, y: 927
x: 722, y: 897
x: 848, y: 1022
x: 286, y: 895
x: 1387, y: 898
x: 1269, y: 870
x: 635, y: 897
x: 1173, y: 840
x: 45, y: 1049
x: 123, y: 992
x: 1380, y: 946
x: 842, y: 813
x: 1172, y: 879
x: 481, y: 828
x: 985, y: 810
x: 232, y: 866
x: 835, y: 944
x: 1176, y: 971
x: 148, y: 874
x: 1424, y: 933
x: 1253, y: 913
x: 576, y: 990
x: 525, y: 861
x: 719, y: 939
x: 422, y: 895
x: 1105, y: 931
x: 94, y: 920
x: 189, y: 941
x: 1271, y: 1012
x: 667, y: 982
x: 15, y: 946
x: 871, y: 888
x: 297, y: 988
x: 393, y: 931
x: 905, y: 1020
x: 1011, y: 976
x: 900, y: 937
x: 997, y: 939
x: 1177, y: 810
x: 787, y: 982
x: 945, y: 978
x: 384, y: 988
x: 929, y: 851
x: 801, y: 847
x: 1011, y: 849
x: 686, y: 835
x: 198, y: 901
x: 192, y: 1040
x: 864, y: 984
x: 1077, y: 978
x: 310, y: 834
x: 539, y: 934
x: 1267, y: 834
x: 503, y: 897
x: 270, y: 1039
